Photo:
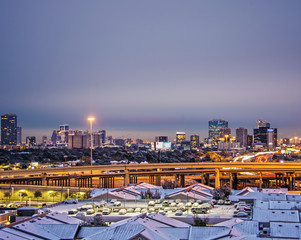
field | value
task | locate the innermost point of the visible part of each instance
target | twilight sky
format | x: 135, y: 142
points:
x: 145, y: 68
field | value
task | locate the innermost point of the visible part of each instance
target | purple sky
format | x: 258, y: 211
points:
x: 145, y: 68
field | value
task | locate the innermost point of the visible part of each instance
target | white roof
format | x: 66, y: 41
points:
x: 293, y: 197
x: 208, y: 233
x: 273, y: 196
x: 262, y: 204
x: 245, y: 191
x: 62, y: 218
x: 12, y: 234
x: 274, y: 190
x: 229, y: 223
x: 287, y: 205
x: 285, y: 230
x: 143, y: 185
x: 196, y: 191
x: 263, y: 215
x: 247, y: 227
x: 88, y: 231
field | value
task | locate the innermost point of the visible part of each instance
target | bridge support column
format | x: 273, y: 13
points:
x: 260, y: 180
x: 182, y: 180
x: 152, y: 179
x: 177, y: 180
x: 231, y: 180
x: 158, y: 180
x: 106, y: 182
x: 126, y: 177
x: 44, y: 179
x: 133, y: 179
x: 217, y: 178
x: 291, y: 180
x: 207, y: 179
x: 203, y: 178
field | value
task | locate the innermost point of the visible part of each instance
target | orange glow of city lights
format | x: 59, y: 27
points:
x: 91, y: 118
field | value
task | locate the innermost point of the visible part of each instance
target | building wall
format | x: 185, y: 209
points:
x: 9, y: 129
x: 215, y: 127
x: 242, y: 137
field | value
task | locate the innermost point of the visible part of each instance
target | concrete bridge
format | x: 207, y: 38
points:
x: 105, y: 175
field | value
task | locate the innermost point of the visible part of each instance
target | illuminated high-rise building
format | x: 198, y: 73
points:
x: 161, y: 139
x: 265, y: 134
x: 103, y: 136
x: 19, y: 135
x: 250, y: 141
x: 9, y: 129
x: 44, y: 139
x: 194, y: 141
x: 215, y: 127
x: 79, y: 139
x: 262, y: 123
x: 31, y: 141
x: 54, y: 137
x: 242, y: 136
x: 180, y: 137
x: 225, y: 133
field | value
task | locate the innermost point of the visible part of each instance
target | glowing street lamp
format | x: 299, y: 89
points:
x: 91, y: 119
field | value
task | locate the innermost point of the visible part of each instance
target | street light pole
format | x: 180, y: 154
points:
x: 91, y: 119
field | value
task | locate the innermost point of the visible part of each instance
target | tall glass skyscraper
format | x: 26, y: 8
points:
x: 9, y: 129
x: 215, y: 127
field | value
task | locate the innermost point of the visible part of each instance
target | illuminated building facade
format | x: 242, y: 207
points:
x: 31, y: 141
x: 215, y: 127
x: 194, y: 141
x: 44, y: 140
x: 180, y: 137
x: 225, y: 132
x: 266, y: 135
x: 54, y: 137
x: 19, y: 135
x: 286, y: 141
x: 102, y: 133
x: 9, y: 129
x: 262, y: 123
x: 161, y: 139
x: 242, y: 136
x: 78, y: 139
x: 250, y: 141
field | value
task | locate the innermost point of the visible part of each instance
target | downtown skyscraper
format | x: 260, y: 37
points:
x: 216, y: 126
x: 9, y: 129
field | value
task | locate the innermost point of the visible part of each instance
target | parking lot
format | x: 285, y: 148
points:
x: 129, y: 209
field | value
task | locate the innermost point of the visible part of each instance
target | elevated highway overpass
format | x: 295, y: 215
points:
x: 105, y: 175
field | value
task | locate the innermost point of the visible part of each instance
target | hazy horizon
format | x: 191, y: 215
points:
x: 151, y: 67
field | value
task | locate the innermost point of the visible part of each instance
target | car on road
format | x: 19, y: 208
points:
x: 151, y: 203
x: 138, y: 210
x: 161, y: 212
x: 72, y: 211
x: 71, y: 201
x: 85, y: 207
x: 220, y: 202
x: 241, y: 214
x: 122, y: 212
x: 228, y: 202
x: 90, y: 212
x: 80, y: 214
x: 179, y: 213
x: 106, y: 211
x: 117, y: 204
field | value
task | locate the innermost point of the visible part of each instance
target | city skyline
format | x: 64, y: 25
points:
x: 40, y: 134
x: 145, y: 69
